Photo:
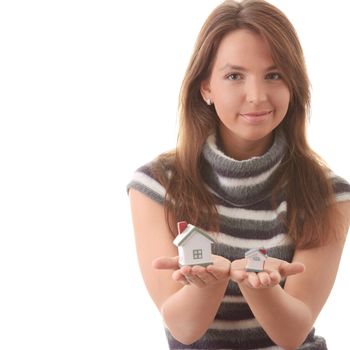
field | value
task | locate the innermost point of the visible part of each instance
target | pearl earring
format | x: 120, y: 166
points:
x: 208, y: 101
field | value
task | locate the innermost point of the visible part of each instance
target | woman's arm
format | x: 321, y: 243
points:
x: 187, y: 310
x: 288, y: 314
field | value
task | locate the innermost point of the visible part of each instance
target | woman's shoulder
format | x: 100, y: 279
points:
x: 151, y: 178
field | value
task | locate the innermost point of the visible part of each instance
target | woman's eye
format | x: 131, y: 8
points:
x: 234, y: 76
x: 274, y: 76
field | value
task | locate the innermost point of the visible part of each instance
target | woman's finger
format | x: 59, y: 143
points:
x: 195, y: 280
x: 217, y: 274
x: 238, y: 276
x: 275, y: 277
x: 238, y: 264
x: 166, y: 263
x: 264, y: 279
x: 288, y: 269
x: 253, y: 279
x: 179, y: 277
x: 202, y: 273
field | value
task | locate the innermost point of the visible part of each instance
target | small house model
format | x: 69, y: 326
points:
x: 194, y: 245
x: 256, y: 259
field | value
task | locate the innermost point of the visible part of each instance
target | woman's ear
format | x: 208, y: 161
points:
x: 206, y: 92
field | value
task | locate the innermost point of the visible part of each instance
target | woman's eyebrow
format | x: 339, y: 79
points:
x: 232, y: 66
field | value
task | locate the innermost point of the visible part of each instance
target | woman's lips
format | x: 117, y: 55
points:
x: 256, y: 117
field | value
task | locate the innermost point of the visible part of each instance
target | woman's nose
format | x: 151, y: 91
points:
x: 255, y: 91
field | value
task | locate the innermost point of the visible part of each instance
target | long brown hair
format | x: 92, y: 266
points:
x: 309, y: 191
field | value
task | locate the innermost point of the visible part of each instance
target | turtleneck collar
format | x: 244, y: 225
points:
x: 242, y: 182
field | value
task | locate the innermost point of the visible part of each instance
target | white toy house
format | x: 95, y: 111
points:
x: 194, y: 245
x: 256, y: 259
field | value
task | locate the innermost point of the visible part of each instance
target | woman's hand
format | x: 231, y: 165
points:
x: 275, y: 270
x: 199, y: 276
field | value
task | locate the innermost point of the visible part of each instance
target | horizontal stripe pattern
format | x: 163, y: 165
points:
x: 242, y: 192
x: 256, y: 339
x: 147, y: 185
x: 258, y: 215
x: 234, y: 312
x: 227, y: 325
x: 247, y: 169
x: 230, y: 338
x: 242, y: 182
x: 252, y: 181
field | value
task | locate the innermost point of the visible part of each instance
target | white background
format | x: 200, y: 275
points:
x: 88, y: 92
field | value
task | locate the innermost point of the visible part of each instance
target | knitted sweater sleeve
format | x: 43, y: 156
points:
x: 341, y: 188
x: 145, y: 182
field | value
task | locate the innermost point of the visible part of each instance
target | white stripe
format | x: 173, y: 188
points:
x: 247, y: 181
x: 233, y: 325
x: 149, y: 182
x: 249, y: 214
x: 342, y: 197
x: 281, y: 239
x: 233, y: 299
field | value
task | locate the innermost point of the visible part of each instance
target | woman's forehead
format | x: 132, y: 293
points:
x: 245, y: 49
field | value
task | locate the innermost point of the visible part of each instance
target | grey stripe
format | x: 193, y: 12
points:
x: 230, y: 225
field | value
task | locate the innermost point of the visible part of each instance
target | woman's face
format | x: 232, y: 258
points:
x: 247, y: 90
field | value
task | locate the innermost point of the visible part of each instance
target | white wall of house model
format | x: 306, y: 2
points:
x: 194, y: 245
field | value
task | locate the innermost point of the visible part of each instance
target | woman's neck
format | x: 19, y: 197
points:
x: 243, y: 149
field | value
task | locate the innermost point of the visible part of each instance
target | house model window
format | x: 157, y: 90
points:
x: 194, y: 245
x: 197, y: 254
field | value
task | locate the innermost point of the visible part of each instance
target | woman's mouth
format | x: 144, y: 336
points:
x: 256, y: 117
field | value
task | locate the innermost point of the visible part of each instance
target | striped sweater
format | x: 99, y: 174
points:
x: 242, y: 191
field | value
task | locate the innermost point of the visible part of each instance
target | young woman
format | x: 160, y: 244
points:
x: 244, y: 172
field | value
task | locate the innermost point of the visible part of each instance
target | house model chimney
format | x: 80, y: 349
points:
x: 263, y: 251
x: 181, y: 226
